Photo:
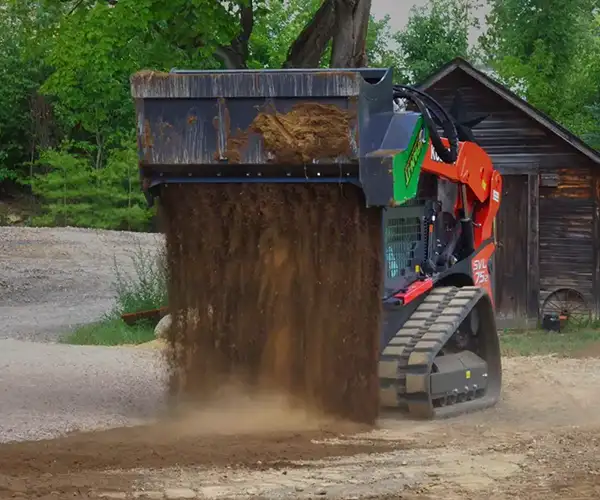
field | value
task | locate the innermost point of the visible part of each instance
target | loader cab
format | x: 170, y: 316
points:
x: 405, y: 238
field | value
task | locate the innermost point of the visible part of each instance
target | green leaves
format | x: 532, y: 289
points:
x: 553, y: 47
x: 277, y: 24
x: 75, y: 193
x: 20, y: 75
x: 81, y: 54
x: 436, y: 34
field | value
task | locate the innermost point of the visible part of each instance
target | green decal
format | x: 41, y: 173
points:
x: 413, y: 158
x: 406, y: 166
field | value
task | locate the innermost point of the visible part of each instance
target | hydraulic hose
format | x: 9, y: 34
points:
x: 448, y: 155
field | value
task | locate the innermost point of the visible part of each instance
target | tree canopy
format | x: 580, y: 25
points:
x: 67, y: 122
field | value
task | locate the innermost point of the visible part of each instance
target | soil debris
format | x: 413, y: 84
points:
x: 308, y: 132
x: 275, y: 288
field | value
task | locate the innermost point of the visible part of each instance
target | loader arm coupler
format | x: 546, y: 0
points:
x: 439, y: 349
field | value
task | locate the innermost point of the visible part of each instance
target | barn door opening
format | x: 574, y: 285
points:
x: 515, y: 280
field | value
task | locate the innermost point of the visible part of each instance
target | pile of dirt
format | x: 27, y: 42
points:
x: 275, y: 287
x: 114, y: 460
x: 309, y: 131
x: 180, y: 442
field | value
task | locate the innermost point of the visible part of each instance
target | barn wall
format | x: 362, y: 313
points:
x: 515, y: 142
x: 564, y: 224
x: 566, y: 231
x: 511, y: 281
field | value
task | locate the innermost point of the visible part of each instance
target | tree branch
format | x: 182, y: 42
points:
x: 308, y: 48
x: 235, y: 56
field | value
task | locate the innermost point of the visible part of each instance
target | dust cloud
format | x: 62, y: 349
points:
x: 274, y: 289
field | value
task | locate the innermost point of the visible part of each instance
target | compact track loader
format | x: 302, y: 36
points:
x: 439, y: 353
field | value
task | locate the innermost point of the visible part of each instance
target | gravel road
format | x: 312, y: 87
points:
x: 55, y: 279
x: 49, y: 389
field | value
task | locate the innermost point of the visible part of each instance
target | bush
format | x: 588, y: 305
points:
x: 74, y: 191
x: 147, y: 288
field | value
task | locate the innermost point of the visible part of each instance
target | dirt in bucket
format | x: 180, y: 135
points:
x: 275, y: 287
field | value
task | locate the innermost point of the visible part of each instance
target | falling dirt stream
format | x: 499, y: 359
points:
x: 275, y: 288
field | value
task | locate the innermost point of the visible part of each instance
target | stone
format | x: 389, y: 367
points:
x: 161, y: 330
x: 149, y: 495
x: 179, y: 493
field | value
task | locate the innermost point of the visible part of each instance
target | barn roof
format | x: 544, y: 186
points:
x: 460, y: 64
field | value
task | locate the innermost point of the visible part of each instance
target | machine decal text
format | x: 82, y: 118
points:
x: 480, y: 272
x: 413, y: 158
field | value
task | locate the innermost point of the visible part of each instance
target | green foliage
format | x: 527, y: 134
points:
x: 66, y: 111
x: 144, y: 290
x: 592, y: 136
x: 276, y: 29
x: 97, y: 49
x: 552, y: 46
x: 110, y: 332
x: 281, y: 22
x: 76, y: 193
x: 434, y: 35
x: 20, y: 76
x: 382, y: 50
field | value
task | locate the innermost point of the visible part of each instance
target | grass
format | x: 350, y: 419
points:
x: 540, y: 342
x: 110, y: 332
x: 144, y: 289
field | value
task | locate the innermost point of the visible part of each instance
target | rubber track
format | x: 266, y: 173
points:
x: 406, y: 362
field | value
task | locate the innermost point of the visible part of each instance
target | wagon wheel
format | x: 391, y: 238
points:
x: 569, y: 305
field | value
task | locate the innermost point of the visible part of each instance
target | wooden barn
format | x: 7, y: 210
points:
x: 548, y: 228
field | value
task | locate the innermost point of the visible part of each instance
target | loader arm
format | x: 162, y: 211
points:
x: 480, y: 184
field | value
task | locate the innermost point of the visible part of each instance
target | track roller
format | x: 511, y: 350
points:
x: 445, y: 360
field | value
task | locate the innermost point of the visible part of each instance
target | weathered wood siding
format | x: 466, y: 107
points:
x: 566, y: 231
x: 510, y: 261
x: 515, y: 142
x: 549, y: 231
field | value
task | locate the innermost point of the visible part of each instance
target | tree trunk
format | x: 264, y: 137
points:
x: 350, y: 34
x: 343, y: 21
x: 235, y: 56
x: 307, y: 50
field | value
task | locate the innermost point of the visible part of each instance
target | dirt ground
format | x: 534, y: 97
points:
x: 540, y: 442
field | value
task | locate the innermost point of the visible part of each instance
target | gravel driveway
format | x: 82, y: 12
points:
x: 55, y: 279
x: 540, y: 442
x: 49, y: 389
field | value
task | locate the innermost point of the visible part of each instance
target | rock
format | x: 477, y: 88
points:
x: 14, y: 218
x: 149, y: 495
x: 180, y: 493
x: 161, y: 330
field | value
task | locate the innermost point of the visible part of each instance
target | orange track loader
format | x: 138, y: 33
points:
x: 439, y: 348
